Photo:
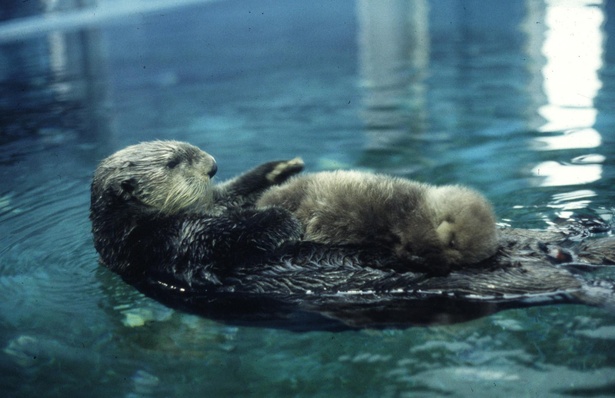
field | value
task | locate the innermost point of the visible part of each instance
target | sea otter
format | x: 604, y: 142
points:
x: 429, y: 228
x: 154, y: 210
x: 160, y: 223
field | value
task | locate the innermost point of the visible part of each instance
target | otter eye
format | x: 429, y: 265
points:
x: 173, y: 163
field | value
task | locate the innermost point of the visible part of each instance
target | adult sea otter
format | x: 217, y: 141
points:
x: 160, y: 223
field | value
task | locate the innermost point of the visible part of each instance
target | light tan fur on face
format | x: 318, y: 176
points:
x: 465, y: 223
x: 161, y: 176
x: 449, y: 224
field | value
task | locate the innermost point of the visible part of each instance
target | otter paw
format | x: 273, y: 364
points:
x: 285, y: 169
x: 283, y: 223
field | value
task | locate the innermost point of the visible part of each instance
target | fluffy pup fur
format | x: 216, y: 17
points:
x: 429, y: 228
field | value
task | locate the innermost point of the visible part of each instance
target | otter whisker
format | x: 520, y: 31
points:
x: 182, y: 195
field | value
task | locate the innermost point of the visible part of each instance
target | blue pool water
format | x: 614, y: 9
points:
x: 513, y: 98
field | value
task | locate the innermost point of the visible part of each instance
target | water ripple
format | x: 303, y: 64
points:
x: 46, y: 255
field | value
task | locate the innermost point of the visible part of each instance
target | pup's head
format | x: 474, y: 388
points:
x: 464, y: 224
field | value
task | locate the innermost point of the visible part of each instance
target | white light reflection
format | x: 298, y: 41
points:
x: 568, y: 202
x: 108, y: 12
x: 583, y: 138
x: 573, y: 52
x: 571, y: 200
x: 556, y: 174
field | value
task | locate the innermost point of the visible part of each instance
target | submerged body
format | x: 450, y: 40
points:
x: 428, y: 228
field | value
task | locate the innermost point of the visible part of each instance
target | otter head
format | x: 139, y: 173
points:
x: 157, y: 177
x: 464, y: 224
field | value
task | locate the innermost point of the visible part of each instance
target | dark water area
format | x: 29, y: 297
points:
x: 514, y: 98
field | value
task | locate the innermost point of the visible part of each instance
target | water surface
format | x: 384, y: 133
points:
x: 513, y: 98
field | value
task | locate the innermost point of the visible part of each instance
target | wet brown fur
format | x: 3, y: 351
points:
x: 164, y: 177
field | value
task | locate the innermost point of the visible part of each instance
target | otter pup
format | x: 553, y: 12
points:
x: 429, y: 228
x: 155, y: 212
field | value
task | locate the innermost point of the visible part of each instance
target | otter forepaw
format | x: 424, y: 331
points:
x: 282, y: 224
x: 284, y: 170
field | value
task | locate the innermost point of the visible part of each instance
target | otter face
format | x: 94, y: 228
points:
x: 465, y: 224
x: 157, y: 177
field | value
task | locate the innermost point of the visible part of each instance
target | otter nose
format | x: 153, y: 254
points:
x: 213, y: 170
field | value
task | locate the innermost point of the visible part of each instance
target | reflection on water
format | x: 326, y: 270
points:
x: 573, y: 50
x: 570, y: 139
x: 514, y: 98
x: 564, y: 42
x: 393, y: 60
x: 553, y: 173
x: 52, y: 84
x: 61, y: 16
x: 566, y: 203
